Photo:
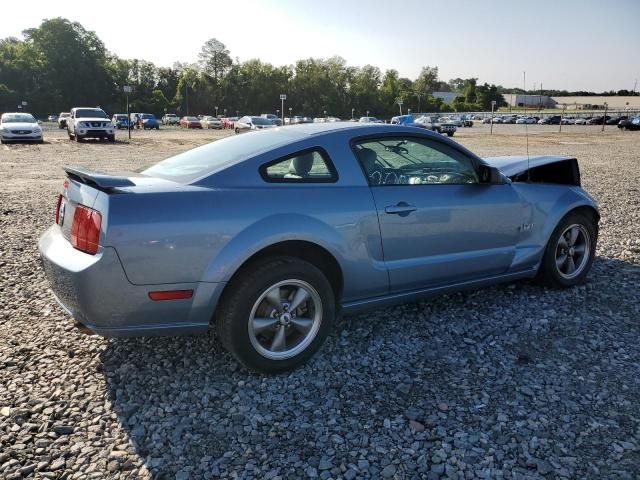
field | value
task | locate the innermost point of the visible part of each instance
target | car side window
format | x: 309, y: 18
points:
x: 413, y: 161
x: 308, y: 166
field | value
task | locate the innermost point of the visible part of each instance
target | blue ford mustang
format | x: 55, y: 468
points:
x: 268, y: 236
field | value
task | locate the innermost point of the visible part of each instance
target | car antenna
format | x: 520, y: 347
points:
x: 526, y: 126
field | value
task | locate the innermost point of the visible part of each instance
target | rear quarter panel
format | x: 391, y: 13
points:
x: 207, y: 233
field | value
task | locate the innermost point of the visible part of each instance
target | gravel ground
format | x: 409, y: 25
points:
x: 514, y: 381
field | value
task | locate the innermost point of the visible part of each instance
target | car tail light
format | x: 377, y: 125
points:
x: 171, y: 294
x: 58, y: 203
x: 85, y: 229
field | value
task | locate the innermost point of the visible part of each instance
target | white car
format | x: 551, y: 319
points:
x: 19, y: 127
x: 580, y: 121
x: 171, y: 119
x: 88, y: 122
x: 211, y: 122
x: 248, y: 123
x: 369, y: 120
x: 526, y: 120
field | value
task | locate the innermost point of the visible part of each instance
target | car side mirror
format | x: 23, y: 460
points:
x: 489, y: 174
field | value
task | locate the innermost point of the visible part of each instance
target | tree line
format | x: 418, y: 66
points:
x: 60, y: 64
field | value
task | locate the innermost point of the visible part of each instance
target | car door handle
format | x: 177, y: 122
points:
x: 402, y: 209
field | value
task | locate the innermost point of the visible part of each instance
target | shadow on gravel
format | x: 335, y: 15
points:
x: 516, y: 378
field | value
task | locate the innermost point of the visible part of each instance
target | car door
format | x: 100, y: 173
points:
x: 439, y: 225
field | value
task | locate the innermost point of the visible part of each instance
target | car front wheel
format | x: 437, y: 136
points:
x: 570, y: 252
x: 276, y: 315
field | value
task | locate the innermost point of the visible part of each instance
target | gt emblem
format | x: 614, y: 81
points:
x: 526, y: 227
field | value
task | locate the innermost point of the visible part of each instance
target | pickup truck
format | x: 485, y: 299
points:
x: 435, y: 124
x: 89, y: 122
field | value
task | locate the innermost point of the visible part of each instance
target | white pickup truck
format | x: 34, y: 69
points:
x: 87, y: 122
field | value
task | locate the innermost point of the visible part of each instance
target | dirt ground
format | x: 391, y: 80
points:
x: 513, y: 381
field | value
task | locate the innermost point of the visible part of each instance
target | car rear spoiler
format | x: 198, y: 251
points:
x: 100, y: 180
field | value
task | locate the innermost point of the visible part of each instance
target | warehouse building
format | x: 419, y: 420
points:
x: 531, y: 101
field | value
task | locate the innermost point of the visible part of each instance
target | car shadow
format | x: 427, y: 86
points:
x: 451, y: 364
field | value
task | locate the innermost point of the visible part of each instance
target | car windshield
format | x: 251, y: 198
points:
x: 209, y: 159
x: 261, y: 121
x: 121, y: 117
x: 65, y: 115
x: 90, y: 112
x: 147, y: 116
x: 18, y: 118
x: 191, y: 119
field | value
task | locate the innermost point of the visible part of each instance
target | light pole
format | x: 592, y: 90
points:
x: 493, y: 104
x: 408, y: 111
x: 419, y: 95
x: 604, y: 119
x: 127, y: 90
x: 325, y: 114
x: 289, y: 115
x: 352, y: 112
x: 283, y: 97
x: 216, y: 111
x: 367, y: 113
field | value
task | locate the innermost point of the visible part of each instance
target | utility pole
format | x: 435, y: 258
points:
x: 604, y: 119
x: 493, y: 104
x: 127, y: 89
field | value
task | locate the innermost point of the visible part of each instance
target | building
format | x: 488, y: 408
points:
x: 530, y: 101
x: 597, y: 102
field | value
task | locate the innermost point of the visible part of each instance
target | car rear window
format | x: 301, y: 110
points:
x: 211, y: 158
x: 307, y: 166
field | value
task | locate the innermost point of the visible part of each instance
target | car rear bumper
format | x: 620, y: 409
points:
x: 95, y: 291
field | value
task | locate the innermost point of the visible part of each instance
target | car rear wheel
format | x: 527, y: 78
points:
x: 276, y: 315
x: 570, y: 252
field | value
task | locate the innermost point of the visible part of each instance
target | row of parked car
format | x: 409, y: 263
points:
x: 620, y: 120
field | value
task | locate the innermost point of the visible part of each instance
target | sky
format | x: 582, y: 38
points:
x: 570, y: 44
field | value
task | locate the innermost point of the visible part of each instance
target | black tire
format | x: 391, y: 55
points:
x: 158, y: 128
x: 548, y: 273
x: 237, y: 131
x: 112, y: 138
x: 235, y: 308
x: 79, y: 139
x: 449, y: 134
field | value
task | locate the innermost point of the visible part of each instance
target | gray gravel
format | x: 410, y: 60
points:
x: 514, y: 381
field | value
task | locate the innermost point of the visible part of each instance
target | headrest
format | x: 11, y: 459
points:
x: 301, y: 165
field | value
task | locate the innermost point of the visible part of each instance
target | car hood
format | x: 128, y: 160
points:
x: 514, y: 165
x: 19, y: 126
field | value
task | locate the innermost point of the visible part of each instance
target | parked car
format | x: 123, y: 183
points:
x: 19, y: 127
x: 580, y: 121
x: 248, y: 122
x: 526, y: 120
x: 274, y: 118
x: 599, y: 120
x: 369, y: 120
x: 333, y: 119
x: 62, y: 119
x: 569, y: 120
x: 551, y: 120
x: 616, y: 120
x: 190, y: 122
x: 170, y: 119
x: 438, y: 125
x: 211, y: 122
x: 630, y: 124
x: 120, y: 120
x: 456, y: 120
x: 407, y: 121
x: 467, y: 120
x: 229, y: 122
x: 52, y: 118
x: 267, y: 240
x: 509, y: 119
x: 88, y: 122
x: 149, y: 121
